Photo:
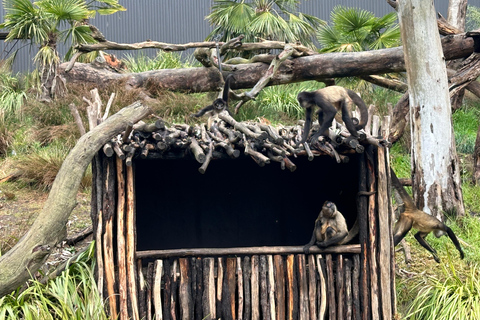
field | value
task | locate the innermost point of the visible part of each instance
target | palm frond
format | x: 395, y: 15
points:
x: 350, y: 19
x: 25, y: 21
x: 65, y: 10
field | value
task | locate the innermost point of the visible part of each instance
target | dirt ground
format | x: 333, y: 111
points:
x: 19, y: 206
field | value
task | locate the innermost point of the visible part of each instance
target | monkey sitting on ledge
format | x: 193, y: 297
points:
x: 330, y: 228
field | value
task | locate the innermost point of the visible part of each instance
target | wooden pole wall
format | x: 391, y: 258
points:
x: 309, y: 287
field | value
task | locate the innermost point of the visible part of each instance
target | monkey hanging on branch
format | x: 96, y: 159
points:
x: 422, y: 221
x: 218, y: 104
x: 330, y: 228
x: 329, y: 100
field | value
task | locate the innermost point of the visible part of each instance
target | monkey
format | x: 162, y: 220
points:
x: 218, y: 104
x: 329, y: 100
x: 420, y: 220
x: 330, y: 227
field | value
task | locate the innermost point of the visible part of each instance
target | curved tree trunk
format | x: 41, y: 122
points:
x: 435, y: 165
x: 29, y: 254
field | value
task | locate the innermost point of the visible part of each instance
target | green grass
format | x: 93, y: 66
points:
x: 465, y: 126
x: 72, y: 295
x: 452, y: 297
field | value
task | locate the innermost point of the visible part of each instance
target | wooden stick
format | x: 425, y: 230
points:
x: 229, y: 289
x: 142, y: 291
x: 356, y: 288
x: 185, y: 294
x: 255, y: 289
x: 280, y: 286
x: 167, y: 292
x: 130, y: 227
x: 303, y: 287
x: 150, y: 285
x: 247, y: 275
x: 77, y: 118
x: 330, y: 288
x: 121, y: 249
x: 157, y: 290
x: 209, y: 289
x: 271, y: 287
x: 109, y: 267
x: 197, y: 287
x: 340, y: 287
x: 291, y: 288
x: 239, y: 288
x: 348, y: 289
x: 312, y: 286
x: 322, y: 305
x: 99, y: 253
x: 372, y: 233
x: 218, y: 303
x: 263, y: 287
x: 174, y: 292
x: 344, y: 249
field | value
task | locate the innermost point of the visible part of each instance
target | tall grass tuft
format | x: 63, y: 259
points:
x: 163, y: 60
x: 12, y: 92
x: 40, y: 168
x: 72, y: 295
x: 451, y: 298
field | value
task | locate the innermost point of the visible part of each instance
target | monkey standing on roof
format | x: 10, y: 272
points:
x: 329, y: 100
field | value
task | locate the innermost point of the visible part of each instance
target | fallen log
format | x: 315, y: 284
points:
x: 314, y: 67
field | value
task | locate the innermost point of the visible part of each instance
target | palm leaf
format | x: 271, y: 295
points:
x: 66, y: 10
x: 269, y: 26
x: 24, y: 21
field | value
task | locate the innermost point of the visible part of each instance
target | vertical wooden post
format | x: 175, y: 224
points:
x: 185, y: 293
x: 121, y: 249
x: 385, y: 230
x: 240, y: 289
x: 303, y: 287
x: 292, y: 290
x: 363, y: 235
x: 209, y: 312
x: 247, y: 271
x: 130, y: 225
x: 322, y: 292
x: 218, y: 304
x: 330, y: 288
x: 340, y: 287
x: 263, y: 288
x: 348, y: 289
x: 255, y: 289
x: 372, y: 228
x: 271, y: 287
x: 357, y: 314
x: 157, y: 290
x: 280, y: 287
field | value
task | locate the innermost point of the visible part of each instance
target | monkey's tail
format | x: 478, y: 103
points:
x: 363, y: 109
x: 407, y: 200
x: 351, y: 234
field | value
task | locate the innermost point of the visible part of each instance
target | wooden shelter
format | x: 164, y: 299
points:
x: 209, y: 222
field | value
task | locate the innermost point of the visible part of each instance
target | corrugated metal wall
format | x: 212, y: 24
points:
x: 181, y: 21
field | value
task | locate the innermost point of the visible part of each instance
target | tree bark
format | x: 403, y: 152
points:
x: 29, y: 254
x: 457, y: 12
x: 435, y: 166
x: 315, y: 67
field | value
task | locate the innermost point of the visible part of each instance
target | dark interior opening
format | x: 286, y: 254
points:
x: 237, y: 203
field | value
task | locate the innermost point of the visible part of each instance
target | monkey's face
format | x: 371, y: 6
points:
x: 328, y: 209
x: 219, y: 104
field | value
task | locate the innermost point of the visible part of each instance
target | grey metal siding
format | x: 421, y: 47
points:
x: 181, y: 21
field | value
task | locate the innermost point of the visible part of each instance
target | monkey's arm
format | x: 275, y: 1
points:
x: 306, y: 248
x: 401, y: 229
x: 340, y: 225
x: 306, y: 127
x: 202, y: 111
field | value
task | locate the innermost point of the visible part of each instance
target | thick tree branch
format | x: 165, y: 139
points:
x: 29, y: 254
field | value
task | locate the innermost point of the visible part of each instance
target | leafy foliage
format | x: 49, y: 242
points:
x: 264, y: 19
x: 358, y: 30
